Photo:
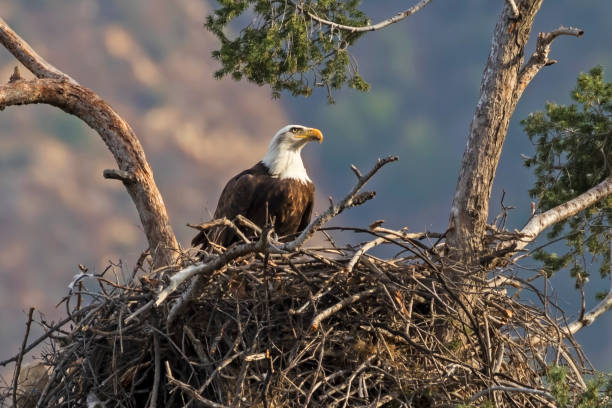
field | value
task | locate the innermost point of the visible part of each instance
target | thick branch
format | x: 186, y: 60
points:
x: 499, y: 94
x: 27, y: 56
x: 121, y: 141
x: 217, y: 262
x: 372, y: 27
x: 540, y: 222
x: 539, y: 59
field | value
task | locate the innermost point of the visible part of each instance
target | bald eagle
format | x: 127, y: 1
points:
x: 277, y: 186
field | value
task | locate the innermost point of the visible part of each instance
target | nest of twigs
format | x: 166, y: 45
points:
x: 321, y: 327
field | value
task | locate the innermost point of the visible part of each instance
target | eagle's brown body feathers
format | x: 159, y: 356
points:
x: 277, y: 189
x: 289, y: 203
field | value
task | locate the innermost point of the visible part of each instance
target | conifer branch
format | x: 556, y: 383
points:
x: 372, y: 27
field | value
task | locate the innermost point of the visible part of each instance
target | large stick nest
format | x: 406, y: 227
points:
x: 328, y: 327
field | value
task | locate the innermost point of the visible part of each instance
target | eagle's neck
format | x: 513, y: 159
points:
x: 285, y: 164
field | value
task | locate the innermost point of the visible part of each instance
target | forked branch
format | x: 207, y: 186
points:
x: 539, y: 59
x: 58, y: 89
x: 592, y: 314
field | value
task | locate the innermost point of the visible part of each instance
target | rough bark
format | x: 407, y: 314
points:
x: 121, y: 141
x: 498, y: 98
x: 503, y: 81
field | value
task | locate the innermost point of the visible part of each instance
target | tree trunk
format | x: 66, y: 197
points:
x: 498, y: 98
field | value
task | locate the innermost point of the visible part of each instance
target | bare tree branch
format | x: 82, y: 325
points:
x: 539, y: 58
x: 60, y: 90
x: 189, y: 390
x: 218, y: 222
x: 470, y: 207
x: 120, y: 139
x: 157, y: 374
x: 338, y: 306
x: 503, y: 388
x: 352, y: 199
x: 502, y: 84
x: 540, y: 222
x: 20, y: 358
x: 373, y: 27
x: 592, y: 314
x: 575, y: 326
x: 27, y: 56
x: 114, y: 174
x: 217, y: 262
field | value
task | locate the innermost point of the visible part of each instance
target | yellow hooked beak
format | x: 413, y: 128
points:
x: 310, y: 134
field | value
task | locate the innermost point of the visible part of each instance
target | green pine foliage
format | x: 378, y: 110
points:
x: 598, y: 392
x: 573, y: 154
x: 285, y: 48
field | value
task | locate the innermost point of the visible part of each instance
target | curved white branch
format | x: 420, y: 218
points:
x: 58, y: 89
x: 134, y: 170
x: 592, y: 314
x: 540, y: 222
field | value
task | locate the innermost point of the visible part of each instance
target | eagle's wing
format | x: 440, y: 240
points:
x: 236, y: 198
x: 308, y: 209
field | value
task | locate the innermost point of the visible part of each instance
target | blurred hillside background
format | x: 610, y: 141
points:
x: 150, y: 59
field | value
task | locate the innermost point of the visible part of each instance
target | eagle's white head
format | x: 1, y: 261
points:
x: 283, y: 157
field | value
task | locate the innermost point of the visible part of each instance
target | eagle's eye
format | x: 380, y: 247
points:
x: 294, y: 129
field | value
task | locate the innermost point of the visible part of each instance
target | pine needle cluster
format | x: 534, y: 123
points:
x: 573, y: 154
x: 283, y: 46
